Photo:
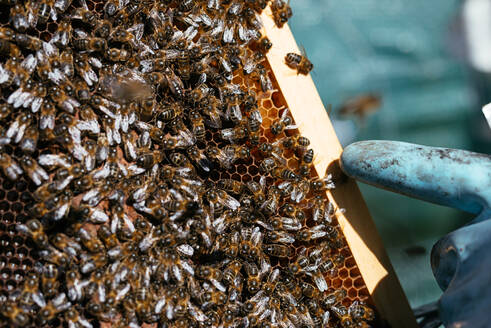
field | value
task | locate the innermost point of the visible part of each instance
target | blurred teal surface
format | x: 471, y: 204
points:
x: 398, y: 49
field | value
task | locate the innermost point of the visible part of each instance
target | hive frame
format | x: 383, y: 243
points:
x: 366, y: 245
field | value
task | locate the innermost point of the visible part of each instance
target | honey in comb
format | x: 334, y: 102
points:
x: 169, y: 223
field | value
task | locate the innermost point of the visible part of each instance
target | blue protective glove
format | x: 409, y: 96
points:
x: 461, y: 261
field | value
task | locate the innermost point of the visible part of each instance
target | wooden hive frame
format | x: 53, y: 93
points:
x: 305, y: 105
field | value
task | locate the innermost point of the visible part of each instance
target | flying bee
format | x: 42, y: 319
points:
x: 281, y: 12
x: 284, y: 123
x: 10, y: 168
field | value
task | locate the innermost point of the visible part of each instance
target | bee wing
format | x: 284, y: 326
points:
x: 266, y: 83
x: 29, y: 63
x: 84, y: 4
x: 228, y: 34
x: 218, y: 29
x: 98, y: 216
x: 36, y: 104
x: 228, y: 201
x: 61, y: 212
x: 38, y: 298
x: 13, y: 98
x: 320, y: 282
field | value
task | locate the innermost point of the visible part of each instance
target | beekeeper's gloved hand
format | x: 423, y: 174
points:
x: 461, y: 261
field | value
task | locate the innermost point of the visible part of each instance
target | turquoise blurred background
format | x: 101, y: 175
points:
x: 398, y: 49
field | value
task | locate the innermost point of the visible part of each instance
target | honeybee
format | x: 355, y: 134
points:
x: 75, y: 319
x: 10, y: 167
x: 360, y: 311
x: 66, y: 244
x: 15, y: 314
x: 49, y: 280
x: 234, y: 135
x: 19, y: 19
x: 271, y: 204
x: 320, y: 185
x: 35, y: 172
x: 228, y: 155
x: 286, y: 223
x: 264, y: 44
x: 333, y: 297
x: 35, y: 230
x: 18, y: 127
x: 5, y: 110
x: 62, y: 5
x: 30, y: 139
x: 297, y: 189
x: 197, y: 156
x: 198, y: 125
x: 118, y: 55
x: 279, y: 237
x: 53, y: 308
x: 84, y: 69
x: 284, y: 123
x: 46, y: 11
x: 62, y: 100
x: 299, y: 63
x: 281, y: 12
x: 85, y: 15
x: 231, y: 185
x: 251, y: 241
x: 257, y: 190
x: 30, y: 94
x: 361, y: 106
x: 63, y: 35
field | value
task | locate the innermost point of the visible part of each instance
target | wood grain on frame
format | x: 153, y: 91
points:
x: 358, y: 227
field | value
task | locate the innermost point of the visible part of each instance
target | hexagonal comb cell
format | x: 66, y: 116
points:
x: 20, y: 258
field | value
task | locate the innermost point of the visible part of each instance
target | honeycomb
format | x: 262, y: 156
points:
x: 19, y: 256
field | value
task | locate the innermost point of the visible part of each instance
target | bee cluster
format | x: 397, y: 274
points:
x: 151, y: 173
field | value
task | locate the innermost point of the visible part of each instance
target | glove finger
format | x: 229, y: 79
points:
x: 461, y: 265
x: 451, y: 177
